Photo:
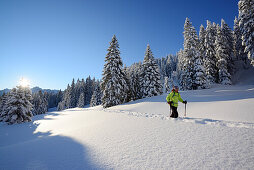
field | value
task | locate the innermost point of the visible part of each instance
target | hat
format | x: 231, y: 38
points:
x: 176, y: 87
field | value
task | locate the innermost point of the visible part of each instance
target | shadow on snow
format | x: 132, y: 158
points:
x: 22, y: 148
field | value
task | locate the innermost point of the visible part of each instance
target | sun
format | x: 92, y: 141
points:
x: 24, y: 82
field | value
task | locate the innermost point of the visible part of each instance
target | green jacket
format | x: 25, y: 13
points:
x: 174, y: 97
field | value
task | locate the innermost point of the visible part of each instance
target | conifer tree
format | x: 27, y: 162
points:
x: 96, y: 97
x: 202, y: 48
x: 59, y: 96
x: 114, y: 83
x: 40, y: 103
x: 229, y: 44
x: 19, y: 108
x: 222, y: 56
x: 166, y: 85
x: 88, y: 90
x: 210, y: 59
x: 246, y: 22
x: 81, y: 100
x: 150, y: 76
x: 66, y: 102
x: 179, y: 68
x: 190, y: 54
x: 73, y: 102
x: 3, y: 105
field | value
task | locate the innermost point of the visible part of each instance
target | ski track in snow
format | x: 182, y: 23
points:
x: 185, y: 119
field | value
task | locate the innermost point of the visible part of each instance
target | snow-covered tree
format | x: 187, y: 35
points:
x: 89, y: 88
x: 190, y: 54
x: 246, y: 24
x: 40, y: 103
x: 210, y: 59
x: 202, y: 48
x: 179, y: 70
x: 166, y: 85
x: 114, y: 83
x: 222, y: 56
x: 132, y: 74
x: 81, y: 100
x: 59, y: 97
x: 66, y: 102
x: 150, y: 76
x: 3, y: 105
x: 240, y: 55
x: 229, y: 44
x: 73, y: 98
x: 19, y: 108
x: 200, y: 75
x: 96, y: 97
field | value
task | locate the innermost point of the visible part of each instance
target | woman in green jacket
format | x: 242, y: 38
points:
x: 173, y: 99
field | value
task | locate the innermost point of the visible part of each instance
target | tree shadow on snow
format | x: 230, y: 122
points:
x: 22, y: 148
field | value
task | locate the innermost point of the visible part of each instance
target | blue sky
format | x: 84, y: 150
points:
x: 50, y: 42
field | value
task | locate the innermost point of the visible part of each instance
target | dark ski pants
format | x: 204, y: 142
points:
x: 174, y: 112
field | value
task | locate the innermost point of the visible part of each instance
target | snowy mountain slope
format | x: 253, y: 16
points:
x: 217, y: 134
x: 230, y: 103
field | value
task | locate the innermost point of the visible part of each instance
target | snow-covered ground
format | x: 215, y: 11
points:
x: 218, y: 133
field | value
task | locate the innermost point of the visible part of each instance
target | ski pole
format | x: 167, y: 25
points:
x: 185, y: 111
x: 170, y: 110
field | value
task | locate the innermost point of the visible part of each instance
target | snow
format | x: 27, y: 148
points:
x: 216, y: 134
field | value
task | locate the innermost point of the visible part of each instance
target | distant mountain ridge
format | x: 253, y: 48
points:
x: 34, y: 90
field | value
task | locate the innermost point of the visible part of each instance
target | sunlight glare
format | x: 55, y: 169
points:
x: 24, y: 82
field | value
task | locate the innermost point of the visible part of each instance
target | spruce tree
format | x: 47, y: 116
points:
x: 246, y: 24
x: 222, y: 56
x: 132, y: 73
x: 210, y: 59
x: 40, y: 103
x: 59, y: 96
x: 66, y: 102
x: 88, y: 90
x: 150, y: 76
x: 229, y: 44
x: 81, y: 100
x: 19, y: 108
x: 96, y: 97
x: 190, y: 54
x: 166, y: 85
x: 3, y: 105
x: 179, y: 69
x: 114, y: 83
x: 238, y: 48
x: 72, y: 93
x: 202, y: 48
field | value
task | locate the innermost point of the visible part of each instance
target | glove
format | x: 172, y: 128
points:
x: 185, y: 102
x: 169, y: 102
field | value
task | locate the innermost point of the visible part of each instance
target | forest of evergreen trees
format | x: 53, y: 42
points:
x: 212, y: 56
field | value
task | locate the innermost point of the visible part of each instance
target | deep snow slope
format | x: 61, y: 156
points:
x: 216, y: 134
x: 229, y: 103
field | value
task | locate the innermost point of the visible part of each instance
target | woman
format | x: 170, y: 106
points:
x: 173, y: 99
